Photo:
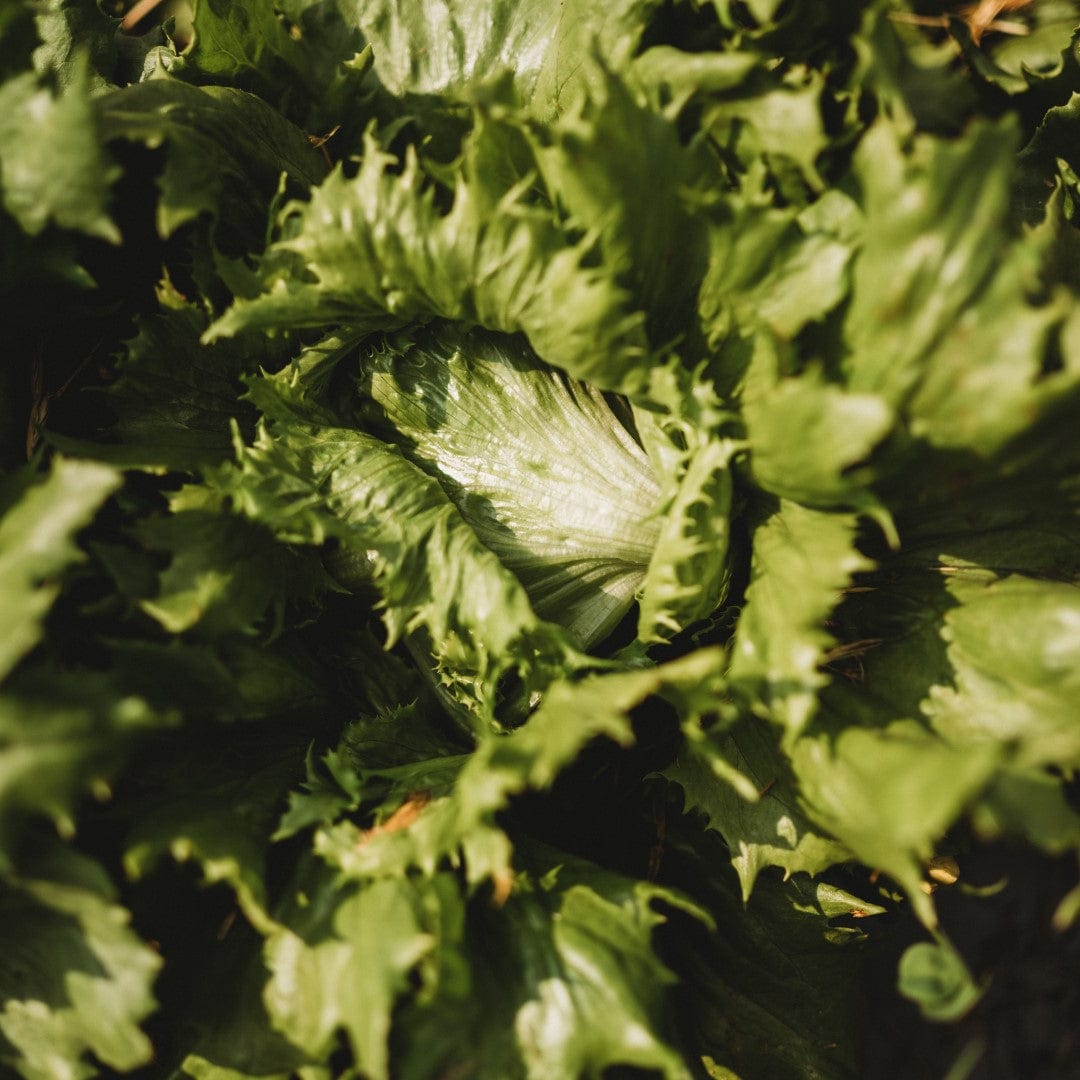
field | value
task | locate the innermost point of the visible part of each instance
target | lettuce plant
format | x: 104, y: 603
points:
x: 539, y: 540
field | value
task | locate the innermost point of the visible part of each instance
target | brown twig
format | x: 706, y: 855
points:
x: 135, y: 15
x: 980, y: 18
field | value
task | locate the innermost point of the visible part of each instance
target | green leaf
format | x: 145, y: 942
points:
x: 567, y: 985
x: 491, y: 260
x: 63, y: 733
x: 435, y: 578
x: 462, y: 825
x: 889, y: 794
x: 53, y: 165
x: 224, y: 155
x: 784, y: 119
x: 235, y: 1038
x: 1013, y: 645
x: 37, y: 544
x: 75, y: 980
x: 1031, y: 803
x: 444, y: 51
x: 540, y: 467
x: 77, y: 39
x: 341, y: 960
x: 802, y: 561
x: 763, y: 826
x: 222, y: 819
x: 690, y: 567
x: 616, y: 167
x: 225, y: 574
x: 776, y: 990
x: 936, y: 979
x: 174, y: 399
x: 327, y: 793
x: 810, y: 439
x: 945, y: 204
x: 771, y: 268
x: 965, y: 339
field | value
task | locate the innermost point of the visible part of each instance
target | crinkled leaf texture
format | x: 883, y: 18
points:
x: 310, y: 482
x: 37, y: 543
x: 53, y: 164
x: 540, y: 467
x: 569, y: 984
x: 542, y: 235
x: 76, y: 979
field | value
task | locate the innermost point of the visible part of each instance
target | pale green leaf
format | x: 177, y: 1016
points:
x: 691, y: 564
x: 340, y: 961
x: 802, y: 561
x: 37, y: 544
x: 539, y: 466
x: 54, y: 168
x: 438, y: 584
x: 491, y: 260
x: 76, y: 980
x: 1014, y: 647
x: 890, y: 794
x: 809, y: 438
x: 444, y: 50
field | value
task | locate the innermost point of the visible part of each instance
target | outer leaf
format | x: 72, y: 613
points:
x: 443, y: 50
x: 602, y: 983
x: 802, y: 561
x: 935, y: 978
x: 225, y: 574
x: 952, y: 198
x: 307, y: 57
x: 342, y: 963
x: 435, y: 578
x: 214, y: 802
x: 808, y: 438
x: 889, y: 794
x: 776, y: 990
x: 568, y: 985
x: 62, y: 733
x: 764, y: 826
x: 75, y: 979
x: 571, y: 715
x: 491, y: 260
x: 1014, y: 646
x: 36, y: 545
x: 690, y: 568
x: 615, y: 166
x: 175, y: 400
x: 773, y: 267
x: 1030, y: 803
x: 225, y: 152
x: 960, y: 338
x: 53, y: 165
x: 247, y: 42
x: 785, y: 119
x: 77, y: 38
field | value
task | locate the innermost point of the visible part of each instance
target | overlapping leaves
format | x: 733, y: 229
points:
x: 838, y: 349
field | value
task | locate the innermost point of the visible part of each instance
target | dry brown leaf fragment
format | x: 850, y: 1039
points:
x: 404, y: 816
x: 983, y: 16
